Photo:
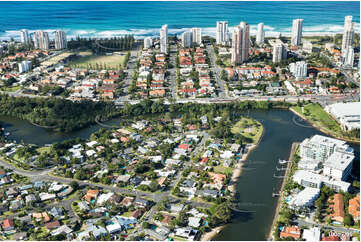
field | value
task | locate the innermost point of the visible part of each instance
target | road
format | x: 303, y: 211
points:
x: 216, y: 72
x: 172, y: 71
x: 350, y: 231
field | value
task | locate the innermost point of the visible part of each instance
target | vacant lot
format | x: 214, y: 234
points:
x: 98, y: 61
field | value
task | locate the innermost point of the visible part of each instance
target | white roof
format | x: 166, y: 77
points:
x: 90, y: 152
x: 194, y: 222
x: 104, y: 197
x: 114, y: 227
x: 320, y: 139
x: 312, y: 234
x: 345, y: 109
x: 305, y: 197
x: 339, y: 161
x: 91, y: 143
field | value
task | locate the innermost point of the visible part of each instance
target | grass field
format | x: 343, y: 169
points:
x: 319, y: 117
x: 10, y: 89
x: 111, y: 62
x: 316, y: 114
x: 249, y: 128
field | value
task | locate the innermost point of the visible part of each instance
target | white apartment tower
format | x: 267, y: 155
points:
x: 348, y: 56
x: 299, y: 69
x: 24, y: 66
x: 41, y: 40
x: 279, y: 53
x: 197, y: 35
x: 240, y: 43
x: 296, y: 32
x: 148, y: 42
x: 164, y: 39
x: 60, y: 40
x: 24, y: 36
x: 187, y: 39
x: 348, y: 32
x: 222, y: 36
x: 260, y: 34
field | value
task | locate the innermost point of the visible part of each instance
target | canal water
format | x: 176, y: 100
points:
x: 256, y: 184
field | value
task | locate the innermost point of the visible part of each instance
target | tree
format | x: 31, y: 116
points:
x: 348, y: 220
x: 223, y: 213
x: 74, y: 185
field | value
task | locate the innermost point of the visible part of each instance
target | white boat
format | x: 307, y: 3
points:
x: 282, y: 161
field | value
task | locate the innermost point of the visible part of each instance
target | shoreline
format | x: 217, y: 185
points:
x: 289, y: 164
x: 323, y: 130
x: 237, y: 171
x: 209, y: 235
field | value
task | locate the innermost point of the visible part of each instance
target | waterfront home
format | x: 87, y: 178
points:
x: 194, y: 222
x: 290, y: 231
x: 312, y: 234
x: 187, y: 233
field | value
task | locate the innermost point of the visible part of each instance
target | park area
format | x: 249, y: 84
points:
x: 315, y: 114
x: 249, y: 128
x: 89, y: 61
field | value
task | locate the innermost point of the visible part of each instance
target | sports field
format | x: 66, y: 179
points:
x: 98, y: 61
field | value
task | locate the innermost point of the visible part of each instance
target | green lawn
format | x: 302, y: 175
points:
x: 315, y: 113
x: 249, y: 128
x: 222, y: 169
x: 10, y: 89
x: 43, y: 149
x: 111, y: 62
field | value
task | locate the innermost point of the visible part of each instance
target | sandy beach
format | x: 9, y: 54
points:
x: 208, y: 236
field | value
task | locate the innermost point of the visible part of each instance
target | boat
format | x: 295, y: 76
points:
x: 282, y: 161
x: 7, y: 134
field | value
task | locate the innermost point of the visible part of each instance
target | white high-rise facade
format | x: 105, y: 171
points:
x: 41, y: 40
x: 60, y: 40
x: 296, y: 32
x: 260, y: 34
x: 240, y: 43
x: 24, y: 36
x: 348, y: 33
x: 222, y: 35
x: 24, y: 66
x: 279, y: 53
x: 348, y: 56
x: 197, y: 35
x: 148, y: 42
x: 299, y: 69
x: 164, y: 39
x: 187, y: 39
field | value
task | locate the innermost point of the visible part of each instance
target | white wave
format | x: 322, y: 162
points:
x: 270, y: 31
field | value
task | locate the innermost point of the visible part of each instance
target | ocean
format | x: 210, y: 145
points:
x: 108, y: 19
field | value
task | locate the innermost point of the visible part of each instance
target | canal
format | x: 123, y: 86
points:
x: 256, y: 184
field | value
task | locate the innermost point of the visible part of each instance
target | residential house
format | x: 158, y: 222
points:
x: 290, y: 231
